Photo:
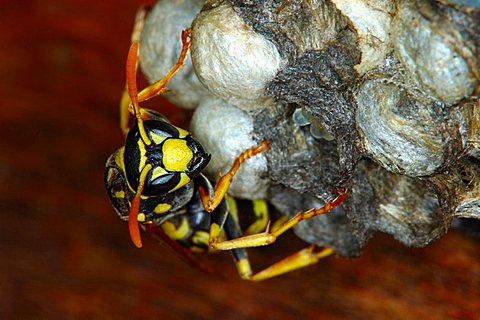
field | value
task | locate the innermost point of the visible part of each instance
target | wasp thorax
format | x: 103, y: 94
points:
x: 174, y: 155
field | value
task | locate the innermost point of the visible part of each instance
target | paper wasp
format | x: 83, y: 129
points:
x: 156, y: 181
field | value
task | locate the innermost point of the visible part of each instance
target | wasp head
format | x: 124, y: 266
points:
x: 174, y: 155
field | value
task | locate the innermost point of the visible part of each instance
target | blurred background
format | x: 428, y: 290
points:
x: 66, y: 255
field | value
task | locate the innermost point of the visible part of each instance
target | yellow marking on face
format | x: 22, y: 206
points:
x: 184, y: 179
x: 182, y: 133
x: 120, y: 194
x: 260, y: 209
x: 162, y: 208
x: 176, y: 155
x: 143, y: 132
x: 141, y: 217
x: 176, y: 233
x: 201, y: 237
x: 157, y: 139
x: 143, y: 152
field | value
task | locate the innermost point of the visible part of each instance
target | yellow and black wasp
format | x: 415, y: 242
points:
x: 156, y: 181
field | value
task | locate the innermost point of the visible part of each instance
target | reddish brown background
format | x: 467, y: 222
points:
x: 64, y: 253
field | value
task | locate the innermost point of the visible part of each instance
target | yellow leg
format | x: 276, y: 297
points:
x: 300, y: 259
x: 269, y: 237
x: 214, y: 234
x: 244, y: 269
x: 210, y: 203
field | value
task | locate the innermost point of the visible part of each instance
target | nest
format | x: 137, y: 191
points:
x: 380, y: 97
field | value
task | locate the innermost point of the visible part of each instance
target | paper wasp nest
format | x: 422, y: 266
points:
x: 377, y: 96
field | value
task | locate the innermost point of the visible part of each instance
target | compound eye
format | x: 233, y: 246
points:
x: 160, y: 182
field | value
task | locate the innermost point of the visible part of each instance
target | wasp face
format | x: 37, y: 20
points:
x: 176, y: 157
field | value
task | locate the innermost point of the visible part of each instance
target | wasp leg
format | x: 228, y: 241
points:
x: 221, y: 219
x: 300, y: 259
x: 269, y: 237
x: 158, y: 87
x: 210, y: 202
x: 240, y: 256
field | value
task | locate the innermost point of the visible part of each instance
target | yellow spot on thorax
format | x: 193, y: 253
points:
x: 176, y: 155
x: 120, y: 194
x: 162, y: 208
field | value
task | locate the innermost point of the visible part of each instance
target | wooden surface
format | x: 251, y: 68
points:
x: 65, y: 254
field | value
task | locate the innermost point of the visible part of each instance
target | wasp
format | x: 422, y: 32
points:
x: 155, y: 181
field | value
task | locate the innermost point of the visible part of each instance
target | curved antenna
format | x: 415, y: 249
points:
x: 131, y: 74
x: 133, y: 214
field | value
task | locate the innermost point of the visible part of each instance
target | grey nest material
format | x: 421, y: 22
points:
x: 381, y: 97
